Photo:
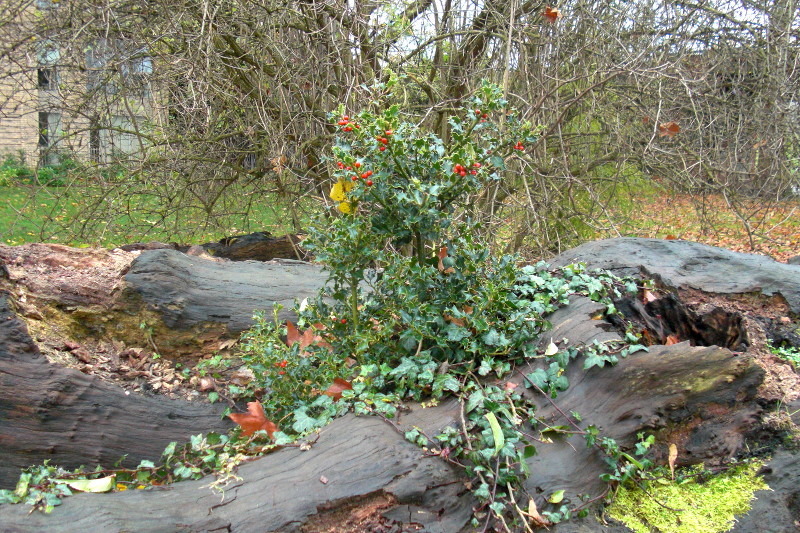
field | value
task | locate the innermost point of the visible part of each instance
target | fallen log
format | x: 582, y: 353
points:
x: 71, y: 419
x: 706, y: 400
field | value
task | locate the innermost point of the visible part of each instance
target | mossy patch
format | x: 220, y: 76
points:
x: 706, y: 507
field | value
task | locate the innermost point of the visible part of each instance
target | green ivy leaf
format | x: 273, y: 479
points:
x: 538, y: 378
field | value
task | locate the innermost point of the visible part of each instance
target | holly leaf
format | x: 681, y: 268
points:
x: 254, y: 420
x: 337, y: 387
x: 668, y: 129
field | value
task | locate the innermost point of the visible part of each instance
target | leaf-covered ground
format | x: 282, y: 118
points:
x: 774, y: 229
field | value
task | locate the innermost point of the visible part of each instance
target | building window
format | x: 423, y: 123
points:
x: 114, y: 64
x: 48, y: 79
x: 49, y: 124
x: 46, y: 4
x: 94, y: 143
x: 48, y: 57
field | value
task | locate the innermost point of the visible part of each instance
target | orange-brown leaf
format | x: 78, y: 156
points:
x: 454, y: 320
x: 552, y: 14
x: 339, y: 385
x: 668, y: 129
x: 292, y: 334
x: 254, y: 420
x: 671, y: 339
x: 648, y: 297
x: 442, y: 254
x: 305, y: 339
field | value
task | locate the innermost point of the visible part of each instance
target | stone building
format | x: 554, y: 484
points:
x: 85, y: 98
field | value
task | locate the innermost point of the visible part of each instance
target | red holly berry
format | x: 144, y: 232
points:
x: 343, y: 321
x: 384, y: 140
x: 340, y: 164
x: 354, y: 178
x: 388, y: 132
x: 473, y: 172
x: 462, y: 173
x: 382, y: 148
x: 476, y: 165
x: 346, y: 117
x: 342, y: 123
x: 347, y: 128
x: 348, y: 168
x: 478, y: 112
x: 369, y: 183
x: 485, y: 115
x: 357, y: 164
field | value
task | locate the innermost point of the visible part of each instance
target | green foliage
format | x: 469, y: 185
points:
x: 695, y: 503
x: 416, y: 307
x: 15, y: 171
x: 790, y: 354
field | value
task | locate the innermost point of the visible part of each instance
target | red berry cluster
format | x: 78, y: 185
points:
x: 355, y: 177
x: 462, y: 171
x: 519, y: 146
x: 346, y: 125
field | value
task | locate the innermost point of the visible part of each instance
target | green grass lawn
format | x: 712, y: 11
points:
x: 62, y: 215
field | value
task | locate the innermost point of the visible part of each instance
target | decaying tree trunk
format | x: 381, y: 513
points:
x: 361, y: 475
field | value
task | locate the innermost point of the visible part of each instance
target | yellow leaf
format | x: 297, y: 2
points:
x: 673, y: 455
x: 345, y: 207
x: 340, y: 189
x: 104, y: 484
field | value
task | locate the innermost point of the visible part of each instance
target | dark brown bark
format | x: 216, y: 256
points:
x: 704, y: 399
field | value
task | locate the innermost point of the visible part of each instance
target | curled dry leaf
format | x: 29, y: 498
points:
x: 537, y: 520
x: 305, y: 339
x: 551, y: 14
x: 671, y: 339
x: 335, y: 390
x: 668, y: 129
x: 254, y: 420
x: 442, y: 254
x: 648, y: 296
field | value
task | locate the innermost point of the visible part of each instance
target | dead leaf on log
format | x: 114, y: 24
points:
x: 335, y: 390
x: 671, y: 339
x: 254, y: 420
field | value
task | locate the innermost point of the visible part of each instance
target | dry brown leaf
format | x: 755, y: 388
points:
x: 337, y: 387
x: 278, y: 163
x: 671, y: 339
x: 254, y: 420
x: 536, y: 519
x: 668, y: 129
x: 552, y: 14
x: 442, y: 254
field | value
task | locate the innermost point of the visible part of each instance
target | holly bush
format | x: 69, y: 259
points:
x: 415, y: 306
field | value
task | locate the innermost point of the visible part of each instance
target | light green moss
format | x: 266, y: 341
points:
x: 708, y: 507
